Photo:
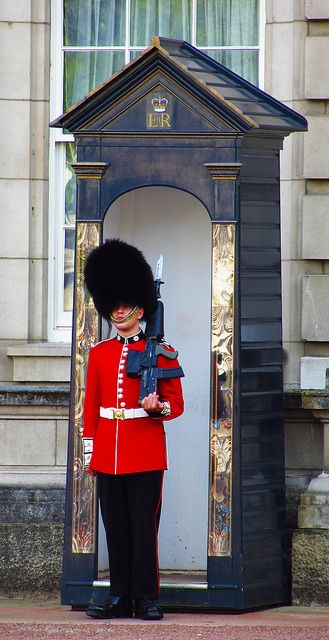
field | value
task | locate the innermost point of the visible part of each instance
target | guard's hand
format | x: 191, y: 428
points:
x: 90, y: 471
x: 152, y: 403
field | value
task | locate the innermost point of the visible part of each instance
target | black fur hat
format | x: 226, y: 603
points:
x: 117, y: 272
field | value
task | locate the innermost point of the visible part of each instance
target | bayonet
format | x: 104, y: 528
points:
x: 158, y: 276
x: 159, y: 269
x: 145, y: 364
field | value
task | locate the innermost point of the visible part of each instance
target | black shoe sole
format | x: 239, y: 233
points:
x: 142, y: 616
x: 102, y: 615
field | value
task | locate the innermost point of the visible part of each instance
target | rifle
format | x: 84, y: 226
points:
x: 144, y: 364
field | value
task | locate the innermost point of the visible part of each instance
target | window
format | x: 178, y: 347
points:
x: 99, y: 37
x: 95, y: 38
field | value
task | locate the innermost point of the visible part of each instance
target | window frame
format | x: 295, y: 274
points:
x: 60, y: 321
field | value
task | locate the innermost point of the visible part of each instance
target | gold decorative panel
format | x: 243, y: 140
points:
x: 86, y: 333
x: 221, y: 423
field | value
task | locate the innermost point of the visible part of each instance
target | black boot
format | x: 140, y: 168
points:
x: 147, y: 609
x: 113, y: 607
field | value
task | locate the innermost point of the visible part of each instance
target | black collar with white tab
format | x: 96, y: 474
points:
x: 132, y: 339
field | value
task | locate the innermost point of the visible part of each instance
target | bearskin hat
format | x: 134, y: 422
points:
x: 117, y: 273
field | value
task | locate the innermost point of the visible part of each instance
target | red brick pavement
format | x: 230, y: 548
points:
x: 24, y: 620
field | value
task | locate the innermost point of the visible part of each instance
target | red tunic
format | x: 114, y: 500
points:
x: 130, y: 445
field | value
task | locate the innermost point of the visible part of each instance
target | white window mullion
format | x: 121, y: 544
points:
x: 261, y: 55
x: 52, y: 240
x: 193, y: 26
x: 127, y: 39
x: 59, y: 320
x: 57, y: 60
x: 229, y: 47
x: 93, y: 48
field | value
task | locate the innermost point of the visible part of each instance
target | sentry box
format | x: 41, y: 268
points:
x: 180, y: 156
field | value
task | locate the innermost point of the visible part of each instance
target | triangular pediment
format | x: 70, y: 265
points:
x: 196, y: 95
x: 124, y: 102
x: 159, y: 105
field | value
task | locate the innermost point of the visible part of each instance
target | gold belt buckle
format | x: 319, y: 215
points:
x: 119, y: 414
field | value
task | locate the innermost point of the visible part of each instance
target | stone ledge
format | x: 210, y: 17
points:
x: 40, y: 349
x: 32, y: 477
x: 308, y: 399
x: 33, y: 394
x: 40, y: 361
x: 38, y: 505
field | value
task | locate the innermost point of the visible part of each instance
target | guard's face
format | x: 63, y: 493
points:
x: 126, y: 323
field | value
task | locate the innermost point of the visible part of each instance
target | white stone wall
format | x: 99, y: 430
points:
x: 34, y: 438
x: 24, y: 116
x: 297, y: 47
x: 296, y: 72
x: 33, y: 446
x: 297, y: 53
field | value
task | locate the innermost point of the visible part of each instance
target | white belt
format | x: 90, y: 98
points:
x: 122, y: 414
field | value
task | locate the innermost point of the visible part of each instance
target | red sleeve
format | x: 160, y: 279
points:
x: 170, y: 389
x: 92, y: 397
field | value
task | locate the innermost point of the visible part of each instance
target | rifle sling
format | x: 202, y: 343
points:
x: 175, y: 372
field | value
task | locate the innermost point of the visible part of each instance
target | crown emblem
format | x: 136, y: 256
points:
x: 159, y: 104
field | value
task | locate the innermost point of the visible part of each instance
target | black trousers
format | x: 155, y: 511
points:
x: 130, y: 507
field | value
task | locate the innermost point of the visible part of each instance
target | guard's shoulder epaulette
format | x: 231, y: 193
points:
x: 97, y: 344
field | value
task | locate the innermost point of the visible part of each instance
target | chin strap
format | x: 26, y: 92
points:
x: 127, y: 317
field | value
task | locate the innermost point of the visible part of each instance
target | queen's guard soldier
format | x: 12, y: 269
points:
x: 133, y: 386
